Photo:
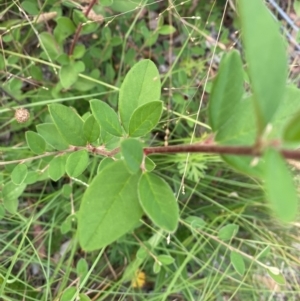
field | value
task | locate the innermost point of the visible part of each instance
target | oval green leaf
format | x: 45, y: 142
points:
x: 69, y: 294
x: 50, y: 45
x: 292, y: 130
x: 10, y: 194
x: 91, y: 129
x: 19, y: 174
x: 277, y: 277
x: 35, y: 142
x: 57, y: 167
x: 82, y: 268
x: 227, y: 90
x: 106, y: 117
x: 104, y: 162
x: 52, y: 136
x: 238, y: 262
x: 279, y: 187
x: 109, y: 208
x: 68, y: 123
x: 196, y: 222
x: 165, y: 259
x: 166, y: 30
x: 68, y: 75
x: 228, y: 232
x: 141, y: 85
x: 266, y: 56
x: 132, y: 151
x: 77, y: 163
x: 145, y: 118
x: 158, y: 201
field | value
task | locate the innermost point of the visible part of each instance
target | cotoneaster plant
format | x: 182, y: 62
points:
x: 254, y: 130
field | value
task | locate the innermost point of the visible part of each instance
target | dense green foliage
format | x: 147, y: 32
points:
x: 86, y: 208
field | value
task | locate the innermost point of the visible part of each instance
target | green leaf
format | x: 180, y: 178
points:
x: 79, y: 66
x: 149, y: 164
x: 68, y: 75
x: 51, y: 135
x: 276, y: 275
x: 104, y: 162
x: 82, y: 268
x: 64, y: 28
x: 79, y: 51
x: 264, y: 253
x: 69, y: 294
x: 57, y: 167
x: 227, y: 90
x: 297, y: 7
x: 50, y: 45
x: 195, y: 222
x: 165, y: 259
x: 19, y: 174
x: 109, y: 207
x: 91, y: 129
x: 66, y: 225
x: 106, y: 117
x: 141, y: 85
x: 77, y: 163
x: 228, y: 232
x: 292, y: 130
x: 68, y: 123
x: 145, y: 118
x: 279, y: 187
x: 158, y: 201
x: 238, y: 132
x: 266, y: 57
x: 30, y: 7
x: 132, y: 151
x: 10, y: 194
x: 2, y: 212
x: 156, y: 267
x: 238, y: 262
x: 166, y: 30
x: 123, y: 6
x: 35, y: 142
x: 83, y: 297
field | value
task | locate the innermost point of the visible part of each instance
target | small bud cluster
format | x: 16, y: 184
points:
x: 22, y: 115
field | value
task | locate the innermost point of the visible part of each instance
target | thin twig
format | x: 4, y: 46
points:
x: 78, y: 30
x: 218, y: 149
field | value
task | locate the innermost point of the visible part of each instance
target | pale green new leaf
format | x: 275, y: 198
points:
x: 266, y: 58
x: 109, y: 208
x: 279, y: 187
x: 68, y: 123
x: 145, y: 118
x: 158, y: 201
x: 141, y: 85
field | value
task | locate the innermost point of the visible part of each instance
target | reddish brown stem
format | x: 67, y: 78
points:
x: 217, y: 149
x: 78, y: 30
